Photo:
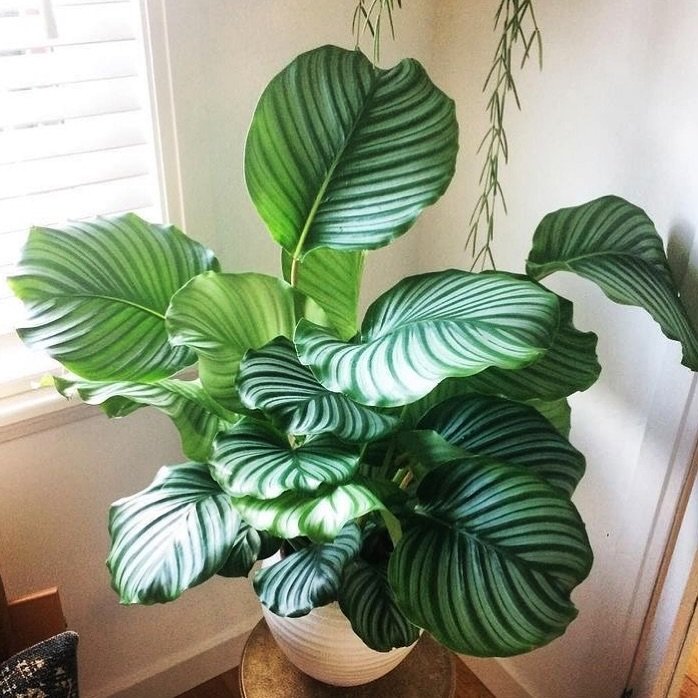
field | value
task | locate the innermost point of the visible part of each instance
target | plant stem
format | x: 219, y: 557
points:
x: 513, y: 16
x: 368, y: 15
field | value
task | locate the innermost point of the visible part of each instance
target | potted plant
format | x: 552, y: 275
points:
x: 415, y: 466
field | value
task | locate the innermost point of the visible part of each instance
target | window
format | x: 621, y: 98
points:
x: 76, y: 135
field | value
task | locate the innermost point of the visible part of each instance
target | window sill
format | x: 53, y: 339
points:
x: 38, y: 410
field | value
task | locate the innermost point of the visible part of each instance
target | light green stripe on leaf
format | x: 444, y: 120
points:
x: 343, y: 155
x: 430, y: 327
x: 96, y: 293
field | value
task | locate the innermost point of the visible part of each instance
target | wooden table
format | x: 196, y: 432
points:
x: 428, y: 671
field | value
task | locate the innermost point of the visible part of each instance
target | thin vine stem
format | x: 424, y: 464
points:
x: 369, y: 16
x: 518, y: 27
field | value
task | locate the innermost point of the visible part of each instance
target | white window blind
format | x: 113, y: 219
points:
x: 76, y: 134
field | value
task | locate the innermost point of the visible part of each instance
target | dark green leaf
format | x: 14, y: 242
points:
x: 487, y: 563
x: 343, y: 155
x: 250, y: 545
x: 273, y: 380
x: 367, y: 600
x: 509, y: 432
x: 173, y: 535
x: 614, y: 244
x: 307, y: 578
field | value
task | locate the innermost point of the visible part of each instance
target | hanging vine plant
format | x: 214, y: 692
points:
x: 519, y: 38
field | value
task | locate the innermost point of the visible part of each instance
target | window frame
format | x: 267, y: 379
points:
x: 42, y: 407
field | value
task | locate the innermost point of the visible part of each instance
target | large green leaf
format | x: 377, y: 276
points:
x: 509, y: 432
x: 614, y: 244
x: 97, y: 291
x: 343, y: 155
x: 250, y: 545
x: 367, y: 600
x: 569, y: 365
x: 429, y: 327
x: 197, y: 417
x: 273, y: 380
x: 318, y: 516
x: 333, y: 280
x: 489, y: 559
x: 221, y: 316
x: 254, y: 459
x: 173, y: 535
x: 307, y: 578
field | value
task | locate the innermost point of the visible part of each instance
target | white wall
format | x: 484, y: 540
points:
x: 611, y: 112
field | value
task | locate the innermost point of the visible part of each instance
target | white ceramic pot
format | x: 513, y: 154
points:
x: 323, y: 645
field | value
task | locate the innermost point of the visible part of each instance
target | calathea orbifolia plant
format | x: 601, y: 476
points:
x: 415, y: 466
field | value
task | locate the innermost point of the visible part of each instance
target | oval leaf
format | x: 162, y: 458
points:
x: 487, y: 563
x: 319, y: 516
x: 344, y: 155
x: 221, y: 316
x: 367, y: 600
x: 614, y: 244
x: 569, y: 365
x: 430, y: 327
x: 509, y: 432
x: 273, y: 380
x: 254, y: 459
x: 307, y: 578
x: 197, y: 417
x: 97, y: 291
x: 173, y: 535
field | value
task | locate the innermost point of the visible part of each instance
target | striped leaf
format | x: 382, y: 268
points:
x: 250, y: 545
x: 333, y: 280
x: 197, y: 417
x: 273, y: 380
x: 173, y: 535
x: 509, y: 432
x: 487, y: 563
x: 569, y: 365
x: 96, y: 293
x: 343, y: 155
x: 557, y: 412
x: 367, y: 600
x: 614, y: 244
x: 429, y: 327
x: 253, y: 459
x: 319, y: 516
x: 221, y: 316
x: 307, y: 578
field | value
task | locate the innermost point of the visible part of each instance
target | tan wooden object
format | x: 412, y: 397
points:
x: 28, y: 620
x: 266, y: 673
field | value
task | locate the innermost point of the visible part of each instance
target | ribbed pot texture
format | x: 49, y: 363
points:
x: 323, y: 645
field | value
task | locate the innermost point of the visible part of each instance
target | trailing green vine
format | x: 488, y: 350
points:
x: 369, y: 16
x: 517, y: 21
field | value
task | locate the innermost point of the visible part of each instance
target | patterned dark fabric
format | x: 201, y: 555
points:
x: 46, y: 670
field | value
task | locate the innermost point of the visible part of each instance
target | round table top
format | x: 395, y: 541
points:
x: 266, y: 673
